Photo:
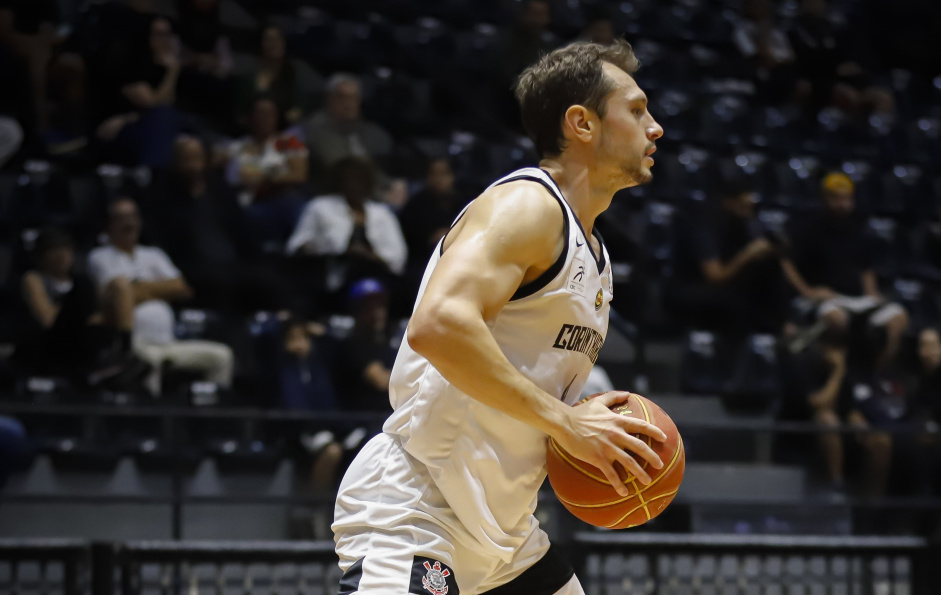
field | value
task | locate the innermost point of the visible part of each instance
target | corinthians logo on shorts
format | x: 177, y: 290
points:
x: 431, y: 576
x: 436, y: 579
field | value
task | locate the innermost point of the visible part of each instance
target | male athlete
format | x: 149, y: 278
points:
x: 511, y: 314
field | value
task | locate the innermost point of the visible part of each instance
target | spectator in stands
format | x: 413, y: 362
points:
x: 339, y: 130
x: 304, y: 382
x: 269, y: 167
x: 141, y: 121
x: 766, y: 47
x: 367, y: 354
x: 820, y: 51
x: 352, y: 224
x: 206, y: 234
x: 145, y: 280
x: 431, y: 211
x: 64, y: 331
x: 67, y: 138
x: 599, y: 28
x: 275, y: 77
x: 14, y: 447
x: 928, y: 385
x: 206, y: 59
x: 927, y: 405
x: 527, y: 40
x: 728, y: 274
x: 832, y: 269
x: 29, y: 29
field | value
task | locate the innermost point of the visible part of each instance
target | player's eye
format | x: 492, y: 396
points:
x: 638, y: 111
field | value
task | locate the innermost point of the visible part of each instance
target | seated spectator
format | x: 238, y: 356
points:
x: 339, y: 130
x: 206, y: 60
x: 927, y: 406
x: 820, y: 388
x: 14, y: 447
x: 766, y: 47
x: 64, y: 331
x: 518, y: 47
x: 205, y: 233
x: 28, y: 29
x: 67, y: 137
x: 928, y: 384
x: 304, y: 382
x: 353, y: 225
x: 141, y: 121
x: 275, y: 77
x: 366, y: 355
x: 599, y: 28
x: 728, y: 274
x: 832, y: 270
x: 429, y: 214
x: 268, y: 167
x: 145, y: 279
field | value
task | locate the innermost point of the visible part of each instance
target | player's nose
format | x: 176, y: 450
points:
x: 654, y: 131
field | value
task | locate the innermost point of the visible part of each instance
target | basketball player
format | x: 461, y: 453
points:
x: 511, y: 314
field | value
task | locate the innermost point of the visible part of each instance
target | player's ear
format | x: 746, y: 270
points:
x: 579, y: 123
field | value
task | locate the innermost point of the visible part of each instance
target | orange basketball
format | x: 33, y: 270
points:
x: 586, y: 492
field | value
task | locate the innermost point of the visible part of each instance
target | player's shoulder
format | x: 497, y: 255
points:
x: 524, y: 202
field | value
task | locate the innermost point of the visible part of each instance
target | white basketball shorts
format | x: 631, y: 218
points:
x: 390, y: 541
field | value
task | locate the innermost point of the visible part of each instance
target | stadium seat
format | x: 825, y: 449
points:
x: 726, y: 120
x: 755, y: 384
x: 706, y: 365
x: 658, y: 233
x: 795, y: 181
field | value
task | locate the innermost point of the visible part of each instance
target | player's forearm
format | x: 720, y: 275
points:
x: 460, y: 346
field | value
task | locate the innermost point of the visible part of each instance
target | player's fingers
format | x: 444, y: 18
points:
x: 614, y: 479
x: 641, y: 449
x: 631, y: 465
x: 613, y: 397
x: 639, y: 426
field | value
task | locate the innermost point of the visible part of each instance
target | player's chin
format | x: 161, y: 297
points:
x: 643, y: 175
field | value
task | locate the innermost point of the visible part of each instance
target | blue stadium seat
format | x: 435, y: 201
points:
x: 919, y: 300
x: 755, y: 384
x: 658, y: 232
x: 795, y: 182
x: 727, y: 120
x: 706, y: 364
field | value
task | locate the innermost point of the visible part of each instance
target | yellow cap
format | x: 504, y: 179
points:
x: 837, y: 182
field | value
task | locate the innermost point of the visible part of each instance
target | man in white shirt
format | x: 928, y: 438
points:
x: 351, y: 223
x: 144, y: 278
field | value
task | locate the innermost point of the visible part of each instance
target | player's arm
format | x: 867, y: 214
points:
x: 507, y: 237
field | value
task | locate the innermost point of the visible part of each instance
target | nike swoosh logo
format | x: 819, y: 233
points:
x: 577, y: 245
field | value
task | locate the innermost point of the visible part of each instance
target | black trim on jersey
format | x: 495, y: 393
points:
x: 349, y: 582
x: 552, y: 272
x: 445, y: 237
x: 599, y: 258
x: 545, y: 577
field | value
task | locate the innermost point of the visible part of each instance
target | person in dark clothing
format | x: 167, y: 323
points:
x: 430, y: 212
x: 205, y: 233
x: 139, y: 121
x: 367, y: 354
x: 728, y: 276
x: 927, y: 406
x: 817, y: 389
x: 63, y: 331
x: 832, y: 270
x: 205, y: 87
x: 275, y: 77
x: 304, y: 382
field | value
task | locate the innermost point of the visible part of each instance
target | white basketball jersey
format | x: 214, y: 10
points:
x: 487, y: 465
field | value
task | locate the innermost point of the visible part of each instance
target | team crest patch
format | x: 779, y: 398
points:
x: 599, y: 300
x: 431, y: 576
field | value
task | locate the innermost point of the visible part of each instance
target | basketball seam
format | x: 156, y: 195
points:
x: 676, y: 454
x: 633, y: 510
x: 631, y: 479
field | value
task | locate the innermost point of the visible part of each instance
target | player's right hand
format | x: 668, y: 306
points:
x: 601, y: 437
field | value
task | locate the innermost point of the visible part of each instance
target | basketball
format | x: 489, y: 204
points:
x: 586, y: 493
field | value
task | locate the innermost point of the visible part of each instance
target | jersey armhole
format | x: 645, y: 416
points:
x: 552, y: 272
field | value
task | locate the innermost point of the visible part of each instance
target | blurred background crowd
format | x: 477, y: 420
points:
x: 208, y: 203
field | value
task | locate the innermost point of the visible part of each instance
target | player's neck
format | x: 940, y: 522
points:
x: 586, y: 194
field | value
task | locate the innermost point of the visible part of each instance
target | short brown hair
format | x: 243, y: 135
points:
x: 568, y: 76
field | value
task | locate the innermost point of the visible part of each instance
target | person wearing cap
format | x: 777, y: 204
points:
x: 367, y: 354
x: 833, y: 270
